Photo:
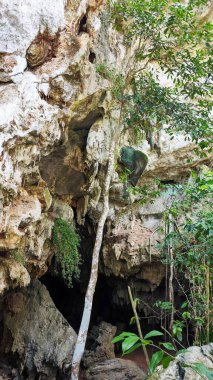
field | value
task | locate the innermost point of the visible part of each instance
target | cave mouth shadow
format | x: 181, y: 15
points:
x: 70, y: 302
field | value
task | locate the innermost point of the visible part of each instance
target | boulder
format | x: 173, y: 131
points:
x: 177, y: 371
x: 100, y: 344
x: 36, y: 331
x: 116, y: 369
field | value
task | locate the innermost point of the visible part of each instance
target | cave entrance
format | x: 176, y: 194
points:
x: 70, y: 302
x: 111, y: 302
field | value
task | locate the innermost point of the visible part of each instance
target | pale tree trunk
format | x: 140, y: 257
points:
x: 171, y: 275
x: 82, y: 335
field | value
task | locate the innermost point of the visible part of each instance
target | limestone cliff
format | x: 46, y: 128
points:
x: 55, y: 123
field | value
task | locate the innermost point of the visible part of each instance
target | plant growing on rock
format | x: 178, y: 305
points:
x: 172, y: 68
x: 191, y: 237
x: 165, y: 350
x: 167, y: 34
x: 19, y: 256
x: 66, y: 242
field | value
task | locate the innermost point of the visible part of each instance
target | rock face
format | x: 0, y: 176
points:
x: 56, y: 124
x: 100, y: 344
x: 202, y: 355
x: 36, y: 331
x: 100, y: 359
x: 131, y: 241
x: 116, y: 369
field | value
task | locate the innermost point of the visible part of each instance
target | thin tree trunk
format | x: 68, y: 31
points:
x: 82, y: 335
x: 138, y: 325
x: 171, y: 275
x: 207, y: 304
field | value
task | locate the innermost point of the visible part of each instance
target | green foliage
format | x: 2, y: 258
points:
x: 131, y: 342
x: 171, y: 34
x: 66, y: 242
x: 192, y: 242
x: 117, y: 80
x: 19, y: 256
x: 156, y: 359
x: 153, y: 333
x: 147, y: 193
x: 201, y: 369
x: 154, y: 106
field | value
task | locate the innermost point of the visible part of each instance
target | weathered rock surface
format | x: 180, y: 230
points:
x: 100, y: 344
x: 37, y: 332
x: 12, y: 274
x: 116, y: 369
x: 22, y: 21
x: 99, y: 359
x: 55, y: 131
x: 129, y: 249
x: 202, y: 355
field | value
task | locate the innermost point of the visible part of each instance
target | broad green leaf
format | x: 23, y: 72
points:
x: 166, y: 360
x: 133, y: 348
x: 203, y: 370
x: 168, y: 346
x: 122, y: 336
x: 153, y: 333
x: 118, y: 339
x: 155, y: 360
x: 129, y: 342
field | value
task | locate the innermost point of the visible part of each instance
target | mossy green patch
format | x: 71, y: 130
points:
x: 66, y: 242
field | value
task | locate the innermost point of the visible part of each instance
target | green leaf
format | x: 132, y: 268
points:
x: 168, y: 346
x: 155, y: 360
x: 122, y: 336
x: 186, y: 315
x: 129, y: 342
x: 146, y: 342
x: 133, y: 348
x: 181, y: 351
x: 203, y: 370
x: 153, y: 333
x: 166, y: 360
x: 118, y: 339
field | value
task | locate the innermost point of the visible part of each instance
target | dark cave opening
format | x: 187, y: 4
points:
x: 111, y: 301
x: 70, y: 302
x: 82, y: 28
x: 92, y: 57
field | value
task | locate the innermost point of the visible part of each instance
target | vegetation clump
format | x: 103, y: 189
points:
x: 66, y: 242
x: 19, y: 256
